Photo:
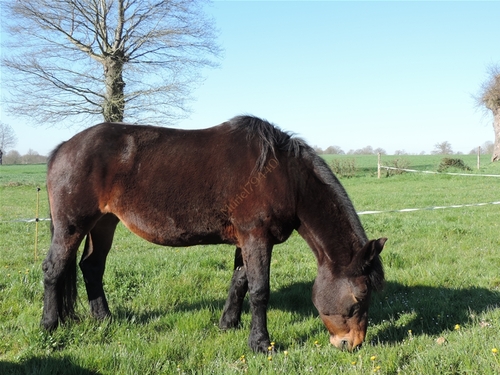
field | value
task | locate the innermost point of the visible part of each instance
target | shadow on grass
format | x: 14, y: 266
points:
x: 426, y: 310
x: 400, y: 308
x: 295, y: 298
x: 44, y: 366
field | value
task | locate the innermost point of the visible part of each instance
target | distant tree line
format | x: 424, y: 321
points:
x: 32, y: 157
x: 442, y: 148
x: 336, y: 150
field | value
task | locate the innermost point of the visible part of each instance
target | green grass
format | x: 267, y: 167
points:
x: 439, y: 312
x: 22, y: 175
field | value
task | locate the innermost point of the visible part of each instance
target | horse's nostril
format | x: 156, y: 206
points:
x: 344, y: 345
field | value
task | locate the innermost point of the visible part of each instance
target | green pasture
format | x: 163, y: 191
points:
x: 438, y: 314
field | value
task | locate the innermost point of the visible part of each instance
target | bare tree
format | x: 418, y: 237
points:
x: 443, y: 148
x: 119, y: 59
x: 485, y: 148
x: 13, y: 157
x: 7, y: 139
x: 490, y: 98
x: 335, y: 150
x: 318, y: 149
x: 33, y: 157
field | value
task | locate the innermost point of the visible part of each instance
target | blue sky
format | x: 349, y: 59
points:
x: 391, y: 75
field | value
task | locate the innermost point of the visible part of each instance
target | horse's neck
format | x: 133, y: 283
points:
x: 329, y: 223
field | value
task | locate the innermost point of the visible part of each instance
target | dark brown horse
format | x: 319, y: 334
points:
x: 244, y: 182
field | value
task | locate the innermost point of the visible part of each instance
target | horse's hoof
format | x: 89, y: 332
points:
x: 49, y: 325
x: 260, y: 346
x: 229, y: 325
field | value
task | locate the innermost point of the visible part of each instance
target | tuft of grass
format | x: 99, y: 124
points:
x: 343, y: 167
x: 453, y: 164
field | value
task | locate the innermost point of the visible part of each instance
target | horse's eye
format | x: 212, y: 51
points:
x: 354, y: 309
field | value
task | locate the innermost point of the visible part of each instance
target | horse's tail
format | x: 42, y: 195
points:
x: 66, y: 289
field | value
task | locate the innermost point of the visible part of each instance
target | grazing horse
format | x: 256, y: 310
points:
x: 244, y: 182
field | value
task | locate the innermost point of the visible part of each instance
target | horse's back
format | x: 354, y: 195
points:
x: 112, y: 142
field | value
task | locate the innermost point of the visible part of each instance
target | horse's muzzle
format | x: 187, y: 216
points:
x: 344, y: 343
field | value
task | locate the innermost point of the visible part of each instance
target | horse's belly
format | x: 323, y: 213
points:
x: 168, y: 232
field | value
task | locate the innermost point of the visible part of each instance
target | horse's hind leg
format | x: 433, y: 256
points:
x: 92, y: 264
x: 231, y: 314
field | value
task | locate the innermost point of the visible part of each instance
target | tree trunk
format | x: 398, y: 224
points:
x: 496, y: 127
x: 114, y: 102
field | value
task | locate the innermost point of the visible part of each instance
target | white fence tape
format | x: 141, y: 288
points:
x: 26, y: 220
x: 433, y: 172
x: 427, y: 208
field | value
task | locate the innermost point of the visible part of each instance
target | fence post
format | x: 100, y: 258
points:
x: 378, y: 166
x: 36, y: 221
x: 478, y: 157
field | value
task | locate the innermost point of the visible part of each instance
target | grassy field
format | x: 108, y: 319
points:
x: 439, y: 312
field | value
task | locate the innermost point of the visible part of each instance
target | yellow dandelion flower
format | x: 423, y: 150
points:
x: 373, y: 358
x: 494, y: 350
x: 285, y: 352
x: 269, y: 358
x: 457, y: 327
x: 269, y: 348
x: 353, y: 363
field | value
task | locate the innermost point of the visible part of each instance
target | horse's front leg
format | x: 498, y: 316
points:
x: 257, y: 259
x: 231, y: 315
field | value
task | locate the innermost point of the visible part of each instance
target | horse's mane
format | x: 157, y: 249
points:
x: 272, y: 138
x: 269, y: 137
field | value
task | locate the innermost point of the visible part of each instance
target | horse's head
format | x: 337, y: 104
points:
x: 342, y: 298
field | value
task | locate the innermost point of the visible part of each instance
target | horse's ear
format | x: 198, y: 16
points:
x: 372, y: 249
x: 376, y: 247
